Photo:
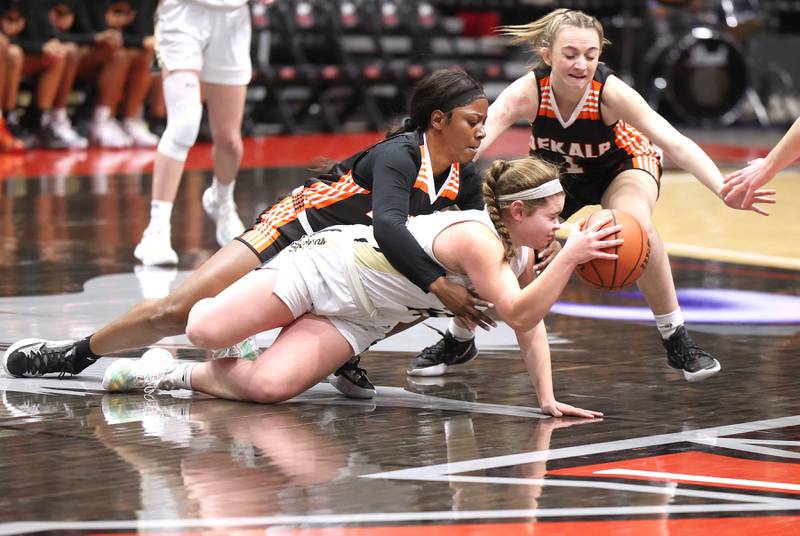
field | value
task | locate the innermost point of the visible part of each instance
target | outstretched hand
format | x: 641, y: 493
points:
x: 742, y: 188
x: 559, y: 409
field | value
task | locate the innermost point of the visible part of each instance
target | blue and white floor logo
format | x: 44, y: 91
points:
x: 701, y: 306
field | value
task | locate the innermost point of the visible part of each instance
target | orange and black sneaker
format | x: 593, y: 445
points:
x: 8, y: 142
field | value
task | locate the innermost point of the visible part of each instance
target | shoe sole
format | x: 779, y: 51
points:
x: 428, y: 372
x: 351, y: 390
x: 19, y: 344
x: 702, y: 374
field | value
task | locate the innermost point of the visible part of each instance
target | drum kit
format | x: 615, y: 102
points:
x: 698, y: 69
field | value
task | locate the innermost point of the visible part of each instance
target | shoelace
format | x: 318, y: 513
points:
x: 42, y: 363
x: 358, y: 372
x: 432, y: 350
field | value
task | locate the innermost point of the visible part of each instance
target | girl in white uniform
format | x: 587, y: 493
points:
x: 334, y: 294
x: 198, y: 41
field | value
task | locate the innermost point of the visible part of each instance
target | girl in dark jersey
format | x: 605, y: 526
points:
x: 599, y: 131
x: 425, y: 167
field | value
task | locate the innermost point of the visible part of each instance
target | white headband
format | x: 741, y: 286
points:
x: 545, y: 190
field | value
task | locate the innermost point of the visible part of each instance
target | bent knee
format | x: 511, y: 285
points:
x: 268, y: 391
x: 15, y: 54
x: 202, y: 328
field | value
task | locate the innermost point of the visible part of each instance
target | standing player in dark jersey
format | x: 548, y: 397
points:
x: 598, y: 130
x: 424, y: 168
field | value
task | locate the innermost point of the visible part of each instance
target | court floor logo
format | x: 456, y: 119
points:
x: 700, y: 306
x: 693, y: 482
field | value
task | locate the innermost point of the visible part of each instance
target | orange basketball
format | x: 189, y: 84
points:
x: 633, y: 253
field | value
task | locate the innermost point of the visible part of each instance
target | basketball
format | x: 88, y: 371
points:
x: 633, y: 254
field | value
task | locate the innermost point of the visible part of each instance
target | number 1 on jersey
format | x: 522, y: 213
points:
x: 572, y: 167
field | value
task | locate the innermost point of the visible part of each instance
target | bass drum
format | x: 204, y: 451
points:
x: 700, y: 78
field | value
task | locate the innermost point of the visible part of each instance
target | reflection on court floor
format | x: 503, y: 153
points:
x: 468, y: 453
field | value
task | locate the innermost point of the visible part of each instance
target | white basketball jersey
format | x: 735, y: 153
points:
x: 347, y: 276
x: 389, y: 291
x: 221, y: 4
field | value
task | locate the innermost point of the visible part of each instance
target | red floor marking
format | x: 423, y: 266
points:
x: 272, y: 151
x: 763, y: 526
x: 699, y: 464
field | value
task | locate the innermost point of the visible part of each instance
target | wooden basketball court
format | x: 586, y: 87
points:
x: 465, y: 454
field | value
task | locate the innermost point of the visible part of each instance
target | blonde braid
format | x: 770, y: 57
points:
x: 493, y: 174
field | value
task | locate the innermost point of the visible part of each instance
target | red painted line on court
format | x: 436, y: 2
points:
x: 273, y: 151
x: 763, y: 526
x: 702, y: 464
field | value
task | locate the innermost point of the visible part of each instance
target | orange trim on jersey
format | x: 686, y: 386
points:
x: 450, y: 190
x: 422, y: 178
x: 590, y: 109
x: 633, y: 142
x: 650, y: 164
x: 265, y: 232
x: 451, y: 187
x: 317, y: 195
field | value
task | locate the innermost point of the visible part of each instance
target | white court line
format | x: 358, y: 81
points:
x: 702, y: 479
x: 760, y: 503
x: 7, y: 529
x: 705, y: 436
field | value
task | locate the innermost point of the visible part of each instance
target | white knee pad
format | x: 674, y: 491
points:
x: 184, y: 111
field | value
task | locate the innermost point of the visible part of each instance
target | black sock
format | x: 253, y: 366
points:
x: 84, y: 351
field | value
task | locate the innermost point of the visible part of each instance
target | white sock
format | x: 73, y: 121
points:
x: 460, y: 333
x: 101, y: 114
x: 160, y: 214
x: 223, y: 192
x: 46, y: 118
x: 667, y: 324
x: 181, y: 375
x: 59, y: 115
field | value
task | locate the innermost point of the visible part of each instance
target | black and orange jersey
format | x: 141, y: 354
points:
x: 380, y: 186
x: 583, y: 144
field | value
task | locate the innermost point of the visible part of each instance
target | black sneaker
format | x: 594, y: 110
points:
x: 352, y: 381
x: 434, y: 360
x: 37, y: 357
x: 48, y: 137
x: 684, y: 354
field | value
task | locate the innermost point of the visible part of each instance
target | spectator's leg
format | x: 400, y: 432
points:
x: 61, y: 122
x: 140, y: 80
x: 109, y: 68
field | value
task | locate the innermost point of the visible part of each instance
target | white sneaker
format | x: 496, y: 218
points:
x: 229, y: 226
x: 109, y: 134
x: 246, y: 349
x: 155, y: 248
x: 63, y: 127
x: 155, y: 370
x: 139, y: 133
